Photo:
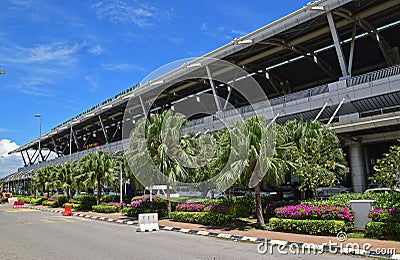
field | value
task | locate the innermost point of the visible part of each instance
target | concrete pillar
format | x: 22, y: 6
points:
x: 357, y: 167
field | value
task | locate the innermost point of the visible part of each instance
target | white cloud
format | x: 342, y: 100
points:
x: 5, y: 130
x: 39, y: 65
x: 121, y: 67
x: 203, y: 27
x: 93, y: 85
x: 127, y: 12
x: 238, y: 32
x: 96, y: 50
x: 9, y: 163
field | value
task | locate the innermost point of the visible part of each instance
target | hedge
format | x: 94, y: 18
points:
x: 84, y: 202
x: 205, y: 218
x: 382, y: 200
x: 110, y: 198
x: 105, y: 208
x: 382, y: 230
x: 312, y: 227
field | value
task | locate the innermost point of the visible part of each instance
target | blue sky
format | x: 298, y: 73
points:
x: 63, y: 57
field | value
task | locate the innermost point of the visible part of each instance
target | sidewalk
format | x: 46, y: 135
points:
x: 253, y: 235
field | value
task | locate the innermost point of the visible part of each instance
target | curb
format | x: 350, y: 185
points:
x: 281, y: 244
x: 110, y: 220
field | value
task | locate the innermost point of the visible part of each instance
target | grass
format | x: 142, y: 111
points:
x: 356, y: 234
x: 247, y: 224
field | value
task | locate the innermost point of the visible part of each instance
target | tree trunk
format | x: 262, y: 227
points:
x: 98, y: 192
x: 134, y: 187
x: 168, y: 201
x: 303, y: 195
x: 259, y: 210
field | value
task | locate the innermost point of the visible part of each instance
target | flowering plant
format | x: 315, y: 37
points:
x: 217, y: 208
x: 145, y: 199
x: 384, y: 215
x: 190, y: 207
x: 51, y: 199
x: 324, y: 212
x: 121, y: 204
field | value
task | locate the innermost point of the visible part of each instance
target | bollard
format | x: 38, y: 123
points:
x: 67, y: 210
x: 148, y: 222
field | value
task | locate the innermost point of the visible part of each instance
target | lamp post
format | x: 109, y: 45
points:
x: 120, y: 182
x: 40, y: 137
x: 40, y: 134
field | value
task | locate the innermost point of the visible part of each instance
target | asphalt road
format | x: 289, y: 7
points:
x: 31, y: 234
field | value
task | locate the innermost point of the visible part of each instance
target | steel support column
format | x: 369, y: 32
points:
x: 320, y: 112
x: 214, y: 91
x: 351, y: 54
x: 143, y: 107
x: 23, y: 158
x: 104, y: 130
x: 338, y: 47
x: 337, y: 110
x: 55, y: 147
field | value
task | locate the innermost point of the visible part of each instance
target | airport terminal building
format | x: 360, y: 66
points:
x: 335, y: 61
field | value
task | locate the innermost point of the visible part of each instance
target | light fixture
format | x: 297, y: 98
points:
x: 157, y: 82
x: 244, y: 41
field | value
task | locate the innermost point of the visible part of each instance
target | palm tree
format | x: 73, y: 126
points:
x: 42, y: 179
x: 317, y: 154
x: 99, y: 168
x: 266, y: 158
x: 166, y: 151
x: 65, y: 175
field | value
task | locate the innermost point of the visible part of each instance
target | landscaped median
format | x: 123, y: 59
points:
x: 314, y: 220
x: 315, y: 217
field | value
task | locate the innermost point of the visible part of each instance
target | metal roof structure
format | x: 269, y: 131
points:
x: 323, y: 42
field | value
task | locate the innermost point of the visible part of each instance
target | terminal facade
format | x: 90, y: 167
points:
x: 335, y: 61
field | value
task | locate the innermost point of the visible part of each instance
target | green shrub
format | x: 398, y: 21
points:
x: 383, y: 201
x: 50, y: 203
x: 238, y: 206
x: 105, y: 208
x: 110, y: 198
x: 384, y: 231
x: 312, y: 227
x: 84, y: 202
x: 143, y: 204
x: 25, y: 199
x: 38, y: 201
x: 205, y: 218
x: 61, y: 199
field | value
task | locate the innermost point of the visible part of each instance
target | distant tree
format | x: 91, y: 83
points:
x: 42, y: 179
x: 65, y: 177
x: 97, y: 169
x: 387, y: 168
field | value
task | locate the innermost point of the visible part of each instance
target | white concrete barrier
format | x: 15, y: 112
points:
x: 12, y: 200
x: 148, y: 222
